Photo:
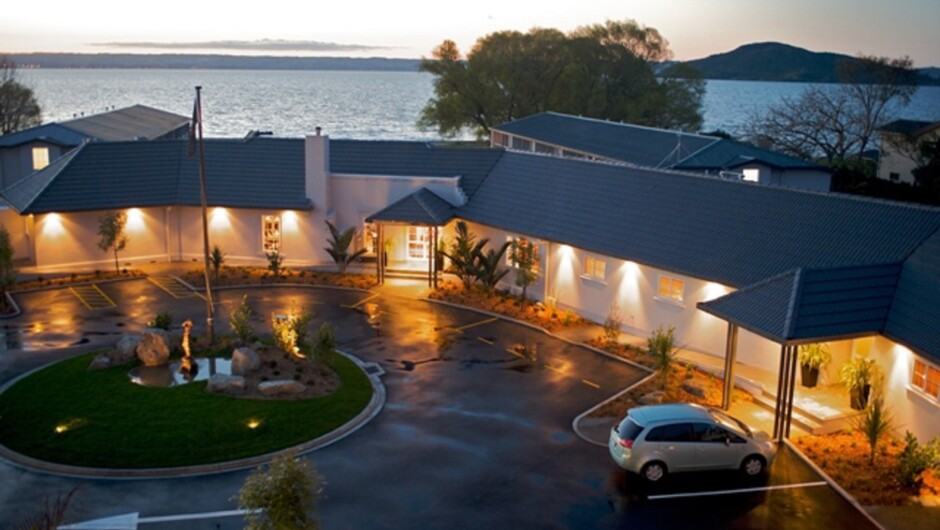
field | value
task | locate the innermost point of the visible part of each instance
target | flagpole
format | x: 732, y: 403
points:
x: 210, y: 325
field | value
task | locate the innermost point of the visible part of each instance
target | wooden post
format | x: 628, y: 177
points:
x: 380, y: 261
x: 731, y: 353
x: 778, y: 408
x: 792, y: 387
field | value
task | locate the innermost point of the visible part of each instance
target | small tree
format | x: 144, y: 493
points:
x: 216, y: 260
x: 661, y: 345
x: 525, y: 257
x: 463, y: 254
x: 282, y: 496
x: 19, y: 108
x: 339, y: 247
x: 7, y: 269
x: 111, y: 235
x: 51, y: 514
x: 240, y: 322
x: 875, y: 423
x: 275, y: 260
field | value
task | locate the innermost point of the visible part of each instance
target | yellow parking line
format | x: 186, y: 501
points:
x: 106, y: 297
x: 360, y: 302
x: 80, y: 298
x: 485, y: 341
x: 590, y: 383
x: 161, y: 286
x: 514, y: 352
x: 475, y: 324
x: 550, y: 367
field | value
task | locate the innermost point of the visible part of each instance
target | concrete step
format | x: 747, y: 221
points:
x: 406, y: 274
x: 800, y: 419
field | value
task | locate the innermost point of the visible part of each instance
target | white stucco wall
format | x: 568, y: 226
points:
x: 912, y: 409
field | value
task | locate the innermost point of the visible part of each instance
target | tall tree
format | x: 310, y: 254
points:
x: 111, y: 234
x: 18, y: 106
x: 7, y: 269
x: 600, y: 71
x: 838, y: 123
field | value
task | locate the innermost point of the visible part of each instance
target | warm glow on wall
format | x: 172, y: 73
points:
x: 899, y: 374
x: 564, y: 270
x: 714, y: 290
x: 290, y: 223
x: 219, y: 220
x: 628, y: 292
x: 135, y: 220
x: 52, y: 226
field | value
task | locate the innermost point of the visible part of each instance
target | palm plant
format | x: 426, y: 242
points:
x: 486, y: 266
x: 216, y: 260
x: 661, y: 345
x: 875, y: 423
x: 339, y: 247
x: 463, y: 254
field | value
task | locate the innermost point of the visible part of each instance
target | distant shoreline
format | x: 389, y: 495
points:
x: 178, y: 61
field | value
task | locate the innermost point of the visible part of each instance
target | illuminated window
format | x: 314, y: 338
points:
x: 926, y: 378
x: 671, y: 289
x: 751, y: 175
x: 40, y: 158
x: 270, y: 233
x: 419, y: 242
x: 594, y: 268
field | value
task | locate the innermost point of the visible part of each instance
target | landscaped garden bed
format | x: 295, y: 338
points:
x: 42, y: 282
x: 243, y: 275
x: 504, y: 303
x: 68, y: 414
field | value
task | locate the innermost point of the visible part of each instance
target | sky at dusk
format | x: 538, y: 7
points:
x: 410, y: 29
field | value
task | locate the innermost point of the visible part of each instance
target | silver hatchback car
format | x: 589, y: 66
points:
x: 658, y: 439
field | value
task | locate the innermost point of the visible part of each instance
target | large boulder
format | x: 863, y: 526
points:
x: 152, y: 349
x: 101, y: 361
x: 126, y: 349
x: 693, y: 388
x: 651, y: 398
x: 245, y: 360
x: 226, y: 384
x: 284, y: 387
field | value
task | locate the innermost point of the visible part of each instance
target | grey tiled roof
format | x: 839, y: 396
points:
x: 262, y: 173
x: 130, y: 123
x: 633, y: 144
x: 730, y: 154
x: 53, y: 133
x: 915, y: 312
x: 909, y: 127
x: 413, y: 159
x: 813, y: 304
x: 421, y: 207
x: 730, y: 232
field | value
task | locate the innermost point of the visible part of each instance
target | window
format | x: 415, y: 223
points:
x: 521, y: 144
x: 894, y: 176
x: 270, y: 233
x: 926, y: 378
x: 419, y: 239
x: 677, y: 432
x: 671, y: 289
x: 594, y: 268
x: 500, y: 139
x: 751, y: 175
x: 370, y: 237
x: 40, y: 158
x: 544, y: 149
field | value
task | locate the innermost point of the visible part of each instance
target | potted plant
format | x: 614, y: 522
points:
x: 813, y: 358
x: 858, y: 376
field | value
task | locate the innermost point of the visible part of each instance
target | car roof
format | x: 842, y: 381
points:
x: 669, y: 412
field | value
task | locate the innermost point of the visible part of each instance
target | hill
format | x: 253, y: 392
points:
x: 209, y: 62
x: 775, y: 61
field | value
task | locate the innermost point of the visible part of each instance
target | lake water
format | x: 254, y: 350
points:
x: 362, y: 105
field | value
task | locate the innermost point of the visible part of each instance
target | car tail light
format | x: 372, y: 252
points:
x: 627, y: 444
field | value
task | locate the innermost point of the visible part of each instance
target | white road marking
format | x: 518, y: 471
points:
x: 732, y: 492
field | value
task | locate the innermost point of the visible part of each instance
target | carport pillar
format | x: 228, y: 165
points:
x: 731, y: 354
x: 380, y: 255
x: 783, y: 411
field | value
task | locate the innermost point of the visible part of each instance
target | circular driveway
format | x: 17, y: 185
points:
x: 471, y: 436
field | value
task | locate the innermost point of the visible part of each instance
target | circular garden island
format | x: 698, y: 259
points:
x: 68, y: 413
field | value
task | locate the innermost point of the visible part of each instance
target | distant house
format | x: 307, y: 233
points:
x: 743, y: 272
x: 29, y: 150
x: 573, y: 136
x: 900, y: 140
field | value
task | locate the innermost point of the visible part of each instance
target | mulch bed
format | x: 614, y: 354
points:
x: 63, y: 280
x: 318, y: 378
x: 509, y: 305
x: 236, y: 276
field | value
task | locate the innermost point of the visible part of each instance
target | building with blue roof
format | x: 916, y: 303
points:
x: 558, y: 134
x: 744, y: 272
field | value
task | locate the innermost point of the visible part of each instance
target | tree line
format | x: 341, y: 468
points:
x: 600, y: 71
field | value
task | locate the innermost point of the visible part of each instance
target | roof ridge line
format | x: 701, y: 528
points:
x: 63, y: 161
x: 789, y: 321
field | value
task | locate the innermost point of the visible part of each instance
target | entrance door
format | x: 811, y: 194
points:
x: 419, y: 238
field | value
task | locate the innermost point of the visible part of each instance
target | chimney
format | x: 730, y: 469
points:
x: 317, y: 170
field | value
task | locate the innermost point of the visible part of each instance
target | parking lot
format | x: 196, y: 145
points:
x: 474, y: 434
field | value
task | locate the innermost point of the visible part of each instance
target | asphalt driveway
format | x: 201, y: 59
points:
x: 473, y: 435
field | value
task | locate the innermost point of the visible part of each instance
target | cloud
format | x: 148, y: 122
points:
x: 278, y: 45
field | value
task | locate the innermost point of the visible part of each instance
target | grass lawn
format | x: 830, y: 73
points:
x: 110, y: 422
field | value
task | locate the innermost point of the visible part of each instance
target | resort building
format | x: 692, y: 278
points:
x: 900, y: 148
x: 743, y: 271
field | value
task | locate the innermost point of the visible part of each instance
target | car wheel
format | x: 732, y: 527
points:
x: 653, y: 471
x: 753, y: 466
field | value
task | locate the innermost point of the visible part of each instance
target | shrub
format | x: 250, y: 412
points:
x: 916, y: 458
x: 163, y: 321
x: 285, y: 338
x: 661, y: 345
x: 216, y: 260
x: 325, y: 347
x: 301, y: 323
x: 283, y: 495
x: 275, y: 262
x: 240, y: 322
x: 613, y: 323
x: 875, y: 423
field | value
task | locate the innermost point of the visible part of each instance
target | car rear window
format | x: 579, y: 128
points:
x: 628, y: 429
x: 676, y: 432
